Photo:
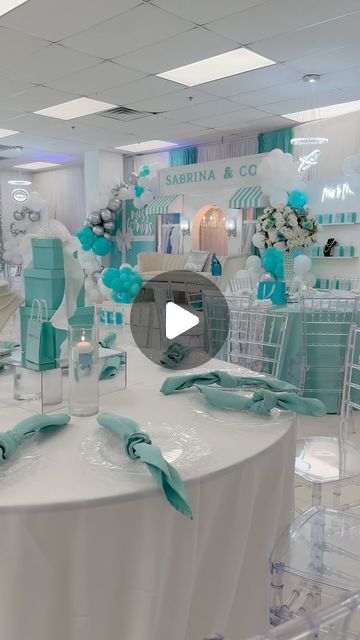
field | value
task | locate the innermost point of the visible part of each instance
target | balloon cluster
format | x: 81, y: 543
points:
x: 273, y: 262
x: 141, y: 184
x: 19, y: 215
x: 100, y: 227
x: 124, y: 283
x: 27, y: 219
x: 92, y: 268
x: 253, y: 266
x: 303, y: 278
x: 279, y: 176
x: 120, y: 190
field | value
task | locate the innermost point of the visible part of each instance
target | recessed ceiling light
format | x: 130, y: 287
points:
x: 149, y: 145
x: 75, y: 108
x: 34, y: 166
x: 309, y: 140
x: 224, y: 65
x: 7, y: 132
x: 320, y: 113
x: 9, y: 5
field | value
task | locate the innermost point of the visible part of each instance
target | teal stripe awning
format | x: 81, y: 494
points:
x: 163, y: 204
x: 246, y: 198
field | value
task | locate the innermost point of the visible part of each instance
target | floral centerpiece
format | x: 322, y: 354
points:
x: 285, y: 228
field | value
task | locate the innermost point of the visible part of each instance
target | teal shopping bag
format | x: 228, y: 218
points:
x: 272, y: 290
x: 40, y: 343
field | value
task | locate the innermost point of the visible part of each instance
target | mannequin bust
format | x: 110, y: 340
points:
x: 329, y: 247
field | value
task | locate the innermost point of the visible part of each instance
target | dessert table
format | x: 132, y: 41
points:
x: 89, y: 548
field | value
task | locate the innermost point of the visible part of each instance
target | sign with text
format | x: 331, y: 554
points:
x: 223, y: 174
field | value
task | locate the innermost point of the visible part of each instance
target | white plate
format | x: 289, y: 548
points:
x: 229, y: 416
x: 26, y: 455
x: 180, y: 445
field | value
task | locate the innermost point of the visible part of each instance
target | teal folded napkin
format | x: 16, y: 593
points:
x: 174, y: 355
x: 111, y: 366
x: 223, y: 379
x: 8, y: 344
x: 137, y: 445
x: 108, y: 340
x: 262, y: 401
x: 11, y: 440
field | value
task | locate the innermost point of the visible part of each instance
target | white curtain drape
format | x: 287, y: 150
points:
x: 223, y: 150
x: 64, y: 191
x: 344, y: 140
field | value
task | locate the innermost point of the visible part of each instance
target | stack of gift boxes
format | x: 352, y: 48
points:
x: 45, y: 280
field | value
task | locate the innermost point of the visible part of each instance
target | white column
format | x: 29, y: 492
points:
x: 92, y: 178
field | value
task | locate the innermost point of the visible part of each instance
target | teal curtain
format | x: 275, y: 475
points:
x: 178, y: 157
x: 276, y: 140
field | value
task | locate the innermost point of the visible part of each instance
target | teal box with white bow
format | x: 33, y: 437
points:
x: 47, y: 253
x: 272, y: 290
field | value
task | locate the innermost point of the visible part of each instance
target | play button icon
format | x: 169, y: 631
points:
x: 178, y: 320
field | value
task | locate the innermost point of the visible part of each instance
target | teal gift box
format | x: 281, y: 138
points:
x: 47, y: 253
x: 83, y: 317
x: 272, y: 290
x: 45, y: 284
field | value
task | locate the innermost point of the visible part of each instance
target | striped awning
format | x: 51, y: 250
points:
x: 246, y: 198
x: 165, y: 204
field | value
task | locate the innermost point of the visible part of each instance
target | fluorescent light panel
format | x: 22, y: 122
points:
x: 9, y: 5
x: 75, y: 109
x: 7, y: 132
x: 34, y: 166
x: 320, y: 113
x: 224, y: 65
x: 149, y: 145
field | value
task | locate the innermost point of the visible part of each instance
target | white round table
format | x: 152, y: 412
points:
x: 89, y: 553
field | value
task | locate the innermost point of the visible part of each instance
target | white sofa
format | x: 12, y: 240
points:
x: 151, y: 264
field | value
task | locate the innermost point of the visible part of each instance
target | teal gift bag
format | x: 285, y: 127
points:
x: 272, y: 290
x: 40, y: 344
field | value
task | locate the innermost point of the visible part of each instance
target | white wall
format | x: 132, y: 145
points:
x: 111, y: 168
x: 8, y: 204
x: 64, y: 192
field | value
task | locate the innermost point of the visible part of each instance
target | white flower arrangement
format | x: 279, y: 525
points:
x: 285, y: 228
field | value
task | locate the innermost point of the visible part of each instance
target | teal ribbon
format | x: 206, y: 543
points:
x: 223, y: 379
x: 107, y: 341
x: 137, y: 445
x: 11, y: 440
x: 262, y: 401
x: 174, y: 355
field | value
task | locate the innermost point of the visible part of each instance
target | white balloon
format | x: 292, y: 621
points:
x: 124, y: 193
x: 310, y: 279
x: 144, y: 182
x: 147, y: 197
x: 278, y: 198
x: 258, y: 240
x: 100, y: 202
x: 138, y: 203
x: 93, y: 294
x: 105, y: 291
x: 253, y: 263
x: 302, y: 264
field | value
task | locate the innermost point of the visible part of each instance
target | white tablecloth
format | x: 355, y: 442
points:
x: 89, y: 553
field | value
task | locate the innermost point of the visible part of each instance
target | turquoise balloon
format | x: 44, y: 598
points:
x: 108, y: 276
x: 117, y: 285
x: 138, y: 191
x: 126, y: 271
x: 145, y: 171
x: 101, y: 247
x: 135, y: 289
x: 297, y: 199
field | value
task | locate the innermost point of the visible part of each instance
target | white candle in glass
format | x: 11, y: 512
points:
x: 83, y: 346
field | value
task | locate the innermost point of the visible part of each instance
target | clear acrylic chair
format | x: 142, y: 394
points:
x: 241, y: 283
x: 216, y: 309
x: 256, y: 338
x: 344, y: 284
x: 314, y: 563
x: 326, y: 323
x: 193, y: 338
x: 334, y: 462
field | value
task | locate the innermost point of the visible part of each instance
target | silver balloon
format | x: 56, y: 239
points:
x: 87, y: 223
x: 115, y: 191
x: 133, y: 178
x: 34, y: 216
x: 106, y: 215
x: 107, y: 235
x: 94, y: 217
x: 19, y: 215
x: 109, y: 226
x: 98, y: 230
x: 114, y: 204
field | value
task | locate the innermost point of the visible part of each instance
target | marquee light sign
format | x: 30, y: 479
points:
x: 306, y: 162
x: 339, y: 192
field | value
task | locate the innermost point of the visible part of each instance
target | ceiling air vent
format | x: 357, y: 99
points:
x: 125, y: 115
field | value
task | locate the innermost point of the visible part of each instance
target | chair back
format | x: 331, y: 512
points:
x: 242, y: 282
x: 351, y: 390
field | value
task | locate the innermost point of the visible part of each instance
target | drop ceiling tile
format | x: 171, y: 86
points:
x: 345, y: 79
x: 36, y: 98
x: 275, y: 17
x: 56, y: 20
x: 9, y: 87
x: 230, y: 119
x: 132, y: 92
x: 202, y: 11
x: 15, y: 48
x: 333, y: 96
x: 33, y: 123
x: 190, y: 46
x: 283, y: 92
x: 159, y: 128
x: 203, y: 110
x: 144, y: 25
x: 92, y: 80
x: 317, y: 39
x: 333, y: 60
x: 277, y: 74
x: 170, y: 101
x: 48, y: 64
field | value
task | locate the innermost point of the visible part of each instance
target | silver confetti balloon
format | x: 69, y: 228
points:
x: 109, y: 226
x: 19, y: 215
x: 133, y: 178
x: 106, y: 215
x: 114, y: 204
x: 34, y: 216
x: 94, y: 217
x: 98, y: 230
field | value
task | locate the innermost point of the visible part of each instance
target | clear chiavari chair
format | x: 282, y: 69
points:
x: 344, y: 284
x: 217, y: 309
x: 326, y: 323
x: 194, y: 338
x: 241, y: 283
x: 256, y: 338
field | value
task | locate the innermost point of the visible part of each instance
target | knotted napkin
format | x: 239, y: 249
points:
x: 107, y: 341
x: 111, y: 366
x: 137, y: 445
x: 11, y: 440
x: 262, y: 401
x: 223, y: 379
x: 174, y: 355
x: 8, y: 344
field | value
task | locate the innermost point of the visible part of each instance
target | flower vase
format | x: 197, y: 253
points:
x: 289, y: 257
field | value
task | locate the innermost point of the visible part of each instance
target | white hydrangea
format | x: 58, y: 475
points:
x: 292, y: 220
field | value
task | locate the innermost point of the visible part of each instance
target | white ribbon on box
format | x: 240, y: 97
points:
x: 74, y: 274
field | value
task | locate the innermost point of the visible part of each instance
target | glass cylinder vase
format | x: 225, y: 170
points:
x: 83, y: 371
